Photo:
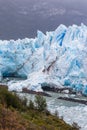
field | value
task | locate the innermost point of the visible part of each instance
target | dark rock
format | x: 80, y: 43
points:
x: 73, y: 100
x: 25, y: 90
x: 54, y: 88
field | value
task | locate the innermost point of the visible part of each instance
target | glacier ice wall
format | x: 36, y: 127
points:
x: 59, y: 57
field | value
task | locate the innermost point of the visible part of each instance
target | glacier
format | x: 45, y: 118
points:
x: 58, y: 57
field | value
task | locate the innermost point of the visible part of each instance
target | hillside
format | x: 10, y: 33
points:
x: 15, y: 115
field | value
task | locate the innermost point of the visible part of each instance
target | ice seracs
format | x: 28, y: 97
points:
x: 59, y: 56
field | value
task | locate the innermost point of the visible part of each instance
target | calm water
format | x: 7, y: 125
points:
x: 22, y: 18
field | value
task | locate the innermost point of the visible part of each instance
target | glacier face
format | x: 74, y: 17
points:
x: 59, y: 57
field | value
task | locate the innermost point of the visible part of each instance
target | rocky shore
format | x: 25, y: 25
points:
x: 25, y: 90
x: 73, y: 100
x: 53, y: 88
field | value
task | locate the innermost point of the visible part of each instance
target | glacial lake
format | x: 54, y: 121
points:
x: 70, y: 111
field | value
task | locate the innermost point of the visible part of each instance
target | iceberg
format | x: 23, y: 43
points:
x: 59, y: 57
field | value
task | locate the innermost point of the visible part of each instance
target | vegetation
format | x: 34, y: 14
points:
x: 9, y: 99
x: 16, y: 115
x: 41, y: 104
x: 31, y: 105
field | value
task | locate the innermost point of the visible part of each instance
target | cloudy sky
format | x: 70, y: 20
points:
x: 22, y: 18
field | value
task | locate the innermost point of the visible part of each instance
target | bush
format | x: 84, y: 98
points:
x: 31, y: 105
x: 75, y: 125
x: 40, y: 102
x: 47, y: 112
x: 10, y: 99
x: 24, y: 101
x: 56, y: 113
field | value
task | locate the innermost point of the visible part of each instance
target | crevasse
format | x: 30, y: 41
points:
x: 58, y: 57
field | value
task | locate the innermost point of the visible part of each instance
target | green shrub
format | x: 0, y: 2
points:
x: 24, y: 101
x: 75, y: 125
x: 10, y: 99
x: 56, y: 113
x: 40, y: 102
x: 31, y: 105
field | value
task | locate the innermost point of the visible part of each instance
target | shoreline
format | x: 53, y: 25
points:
x: 81, y: 101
